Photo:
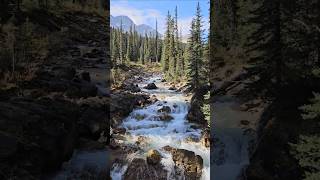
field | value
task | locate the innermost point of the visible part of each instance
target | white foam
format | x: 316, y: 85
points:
x: 161, y: 133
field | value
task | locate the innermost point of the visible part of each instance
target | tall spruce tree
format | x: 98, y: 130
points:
x: 166, y: 45
x: 121, y: 48
x: 196, y: 69
x: 129, y: 53
x: 156, y: 42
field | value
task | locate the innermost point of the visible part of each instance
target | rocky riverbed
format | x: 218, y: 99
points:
x: 157, y: 142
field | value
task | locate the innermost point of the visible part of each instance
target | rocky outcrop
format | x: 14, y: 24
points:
x: 130, y: 87
x: 122, y: 104
x: 165, y: 117
x: 36, y: 136
x: 205, y: 138
x: 165, y: 109
x: 153, y: 157
x: 151, y: 86
x: 140, y: 169
x: 65, y: 80
x: 188, y: 161
x: 195, y: 113
x: 57, y: 107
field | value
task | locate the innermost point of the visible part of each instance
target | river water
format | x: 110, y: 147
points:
x: 230, y: 154
x: 162, y: 133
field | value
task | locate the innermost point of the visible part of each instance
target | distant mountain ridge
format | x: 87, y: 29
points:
x: 142, y: 29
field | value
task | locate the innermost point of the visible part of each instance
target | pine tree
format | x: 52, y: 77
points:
x: 181, y: 56
x: 115, y: 55
x: 150, y: 49
x: 172, y: 53
x: 174, y: 45
x: 307, y: 150
x: 129, y: 53
x: 121, y: 48
x: 157, y: 39
x: 146, y: 49
x: 166, y: 45
x: 141, y: 58
x: 196, y: 69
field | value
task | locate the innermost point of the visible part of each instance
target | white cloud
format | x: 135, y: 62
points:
x: 139, y: 16
x: 184, y: 25
x: 149, y: 16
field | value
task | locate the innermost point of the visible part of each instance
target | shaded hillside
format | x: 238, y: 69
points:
x: 54, y: 94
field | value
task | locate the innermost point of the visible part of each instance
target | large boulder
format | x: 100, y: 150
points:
x: 151, y: 86
x: 153, y: 157
x: 165, y: 117
x: 165, y: 109
x: 195, y: 114
x: 131, y: 87
x: 122, y: 104
x: 188, y: 161
x: 140, y: 169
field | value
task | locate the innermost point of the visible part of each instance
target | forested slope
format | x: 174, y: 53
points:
x: 276, y: 44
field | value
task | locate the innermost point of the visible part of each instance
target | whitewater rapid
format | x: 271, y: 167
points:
x: 162, y: 133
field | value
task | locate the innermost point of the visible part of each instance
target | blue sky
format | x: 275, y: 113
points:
x: 146, y: 11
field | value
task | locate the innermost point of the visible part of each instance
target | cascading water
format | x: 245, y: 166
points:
x: 160, y: 133
x: 230, y: 154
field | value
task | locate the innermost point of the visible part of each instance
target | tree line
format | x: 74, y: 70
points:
x: 178, y: 60
x: 131, y: 46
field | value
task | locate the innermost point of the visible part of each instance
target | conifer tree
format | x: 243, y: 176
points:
x: 129, y: 53
x: 166, y: 46
x: 141, y: 58
x: 146, y: 48
x: 121, y: 57
x: 195, y: 68
x: 156, y: 42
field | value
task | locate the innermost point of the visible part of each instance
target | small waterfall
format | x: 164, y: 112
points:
x: 230, y: 153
